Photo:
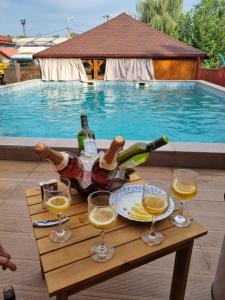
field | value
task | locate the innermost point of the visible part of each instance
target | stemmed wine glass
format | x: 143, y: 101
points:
x: 57, y: 199
x: 102, y: 214
x: 184, y: 187
x: 155, y: 200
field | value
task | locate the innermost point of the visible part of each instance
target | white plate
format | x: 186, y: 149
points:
x: 126, y: 197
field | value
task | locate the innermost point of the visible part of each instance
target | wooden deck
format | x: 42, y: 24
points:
x: 151, y: 281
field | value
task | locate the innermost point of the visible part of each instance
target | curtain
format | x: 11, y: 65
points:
x: 62, y: 69
x: 135, y: 69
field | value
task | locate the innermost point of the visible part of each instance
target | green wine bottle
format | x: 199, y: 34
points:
x: 86, y: 138
x: 138, y: 153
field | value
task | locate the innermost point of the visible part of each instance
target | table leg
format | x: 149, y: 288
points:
x: 62, y: 296
x: 180, y: 272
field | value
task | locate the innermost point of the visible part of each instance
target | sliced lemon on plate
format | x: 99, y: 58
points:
x: 102, y: 217
x: 138, y: 213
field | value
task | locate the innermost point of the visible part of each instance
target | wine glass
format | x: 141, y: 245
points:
x: 102, y: 214
x: 155, y: 200
x: 57, y: 200
x: 184, y: 187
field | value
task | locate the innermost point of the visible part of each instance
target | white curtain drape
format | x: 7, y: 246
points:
x: 62, y: 69
x: 135, y: 69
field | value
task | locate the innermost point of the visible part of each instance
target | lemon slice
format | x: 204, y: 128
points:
x: 155, y: 204
x: 102, y: 217
x: 139, y: 213
x: 184, y: 189
x: 57, y: 204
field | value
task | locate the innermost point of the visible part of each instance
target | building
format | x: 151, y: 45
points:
x: 6, y: 54
x: 6, y: 41
x: 121, y: 39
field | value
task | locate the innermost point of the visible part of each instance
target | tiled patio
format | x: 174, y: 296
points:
x: 151, y: 281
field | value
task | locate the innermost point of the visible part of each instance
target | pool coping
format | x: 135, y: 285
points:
x: 176, y: 154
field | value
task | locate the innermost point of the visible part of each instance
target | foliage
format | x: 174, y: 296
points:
x: 55, y: 35
x: 203, y: 27
x: 160, y: 14
x: 73, y: 34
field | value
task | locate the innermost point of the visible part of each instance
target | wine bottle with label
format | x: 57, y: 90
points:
x: 105, y: 167
x: 86, y: 138
x: 138, y: 153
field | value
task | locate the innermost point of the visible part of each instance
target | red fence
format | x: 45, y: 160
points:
x: 216, y: 76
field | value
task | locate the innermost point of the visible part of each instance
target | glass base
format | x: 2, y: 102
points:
x: 102, y: 252
x: 60, y: 237
x: 152, y: 238
x: 180, y: 220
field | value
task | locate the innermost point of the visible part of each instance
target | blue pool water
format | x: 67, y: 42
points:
x: 184, y: 112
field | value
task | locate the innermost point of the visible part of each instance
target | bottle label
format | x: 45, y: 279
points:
x: 64, y: 162
x: 90, y: 147
x: 134, y: 161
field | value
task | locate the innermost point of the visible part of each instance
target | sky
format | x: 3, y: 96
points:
x: 50, y: 17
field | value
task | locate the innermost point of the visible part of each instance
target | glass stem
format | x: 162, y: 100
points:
x: 102, y: 233
x: 182, y: 208
x: 152, y: 230
x: 60, y: 229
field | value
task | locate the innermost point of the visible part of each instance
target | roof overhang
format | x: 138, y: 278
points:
x: 113, y: 55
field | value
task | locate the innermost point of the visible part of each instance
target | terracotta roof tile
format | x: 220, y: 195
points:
x: 121, y: 36
x: 8, y: 52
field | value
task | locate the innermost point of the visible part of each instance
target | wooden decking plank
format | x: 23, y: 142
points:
x: 32, y: 192
x: 146, y: 282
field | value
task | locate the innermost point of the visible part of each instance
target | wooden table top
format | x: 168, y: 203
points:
x: 68, y: 266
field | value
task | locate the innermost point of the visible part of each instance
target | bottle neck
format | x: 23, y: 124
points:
x: 157, y: 143
x: 84, y: 122
x: 109, y: 159
x: 58, y: 159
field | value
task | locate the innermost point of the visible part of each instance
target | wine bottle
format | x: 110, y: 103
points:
x: 138, y: 153
x: 105, y: 167
x: 68, y: 165
x: 9, y: 293
x: 86, y: 138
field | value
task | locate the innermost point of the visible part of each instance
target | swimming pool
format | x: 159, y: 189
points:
x: 184, y: 111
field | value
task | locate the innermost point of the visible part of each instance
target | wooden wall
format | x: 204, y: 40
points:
x: 174, y: 69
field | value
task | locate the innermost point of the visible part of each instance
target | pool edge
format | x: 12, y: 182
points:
x: 175, y: 154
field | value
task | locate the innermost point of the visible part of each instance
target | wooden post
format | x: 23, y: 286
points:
x: 95, y: 64
x: 18, y: 74
x: 180, y: 272
x: 198, y: 68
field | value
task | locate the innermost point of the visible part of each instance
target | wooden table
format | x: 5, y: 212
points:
x: 67, y: 268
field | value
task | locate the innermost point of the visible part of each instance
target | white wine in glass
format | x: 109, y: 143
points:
x: 102, y: 214
x: 155, y: 201
x: 184, y: 188
x: 57, y: 201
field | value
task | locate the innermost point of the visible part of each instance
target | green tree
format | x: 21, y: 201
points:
x: 203, y: 27
x: 160, y: 14
x: 73, y: 34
